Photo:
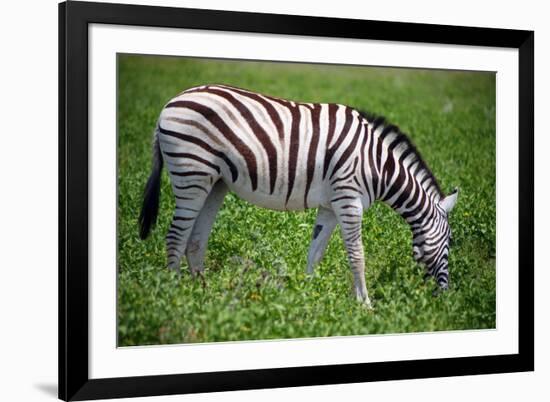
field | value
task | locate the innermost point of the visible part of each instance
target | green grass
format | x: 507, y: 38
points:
x: 256, y: 286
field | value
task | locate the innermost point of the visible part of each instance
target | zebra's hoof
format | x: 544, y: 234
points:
x: 365, y: 302
x: 199, y: 274
x: 175, y: 270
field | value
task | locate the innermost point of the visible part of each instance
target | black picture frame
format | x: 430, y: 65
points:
x: 74, y: 381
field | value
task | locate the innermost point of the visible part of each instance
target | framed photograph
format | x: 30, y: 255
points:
x: 257, y: 200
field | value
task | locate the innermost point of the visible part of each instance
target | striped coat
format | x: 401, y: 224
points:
x: 287, y: 155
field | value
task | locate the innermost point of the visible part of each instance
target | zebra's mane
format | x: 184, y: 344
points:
x: 402, y: 138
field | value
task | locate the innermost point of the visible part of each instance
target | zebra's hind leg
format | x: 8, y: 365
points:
x: 324, y: 226
x: 350, y: 215
x: 197, y: 243
x: 191, y: 195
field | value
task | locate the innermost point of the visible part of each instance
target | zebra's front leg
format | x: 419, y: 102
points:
x: 197, y: 244
x: 350, y: 216
x: 324, y: 226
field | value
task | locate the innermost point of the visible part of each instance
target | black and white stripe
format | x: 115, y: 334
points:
x: 286, y: 155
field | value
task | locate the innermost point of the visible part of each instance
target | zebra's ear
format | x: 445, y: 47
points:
x: 449, y: 202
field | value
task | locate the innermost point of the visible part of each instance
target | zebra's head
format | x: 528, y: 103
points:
x: 431, y: 242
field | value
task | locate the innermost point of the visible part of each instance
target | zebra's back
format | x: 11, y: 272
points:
x: 275, y: 153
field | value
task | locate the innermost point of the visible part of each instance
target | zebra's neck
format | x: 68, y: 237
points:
x: 405, y: 181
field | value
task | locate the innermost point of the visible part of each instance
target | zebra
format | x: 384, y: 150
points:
x: 286, y: 155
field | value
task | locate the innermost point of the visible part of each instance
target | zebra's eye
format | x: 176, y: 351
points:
x: 417, y: 254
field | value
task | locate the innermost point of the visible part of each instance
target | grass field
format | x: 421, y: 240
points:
x: 256, y: 287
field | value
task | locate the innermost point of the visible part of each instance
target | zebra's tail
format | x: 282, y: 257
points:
x: 151, y: 195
